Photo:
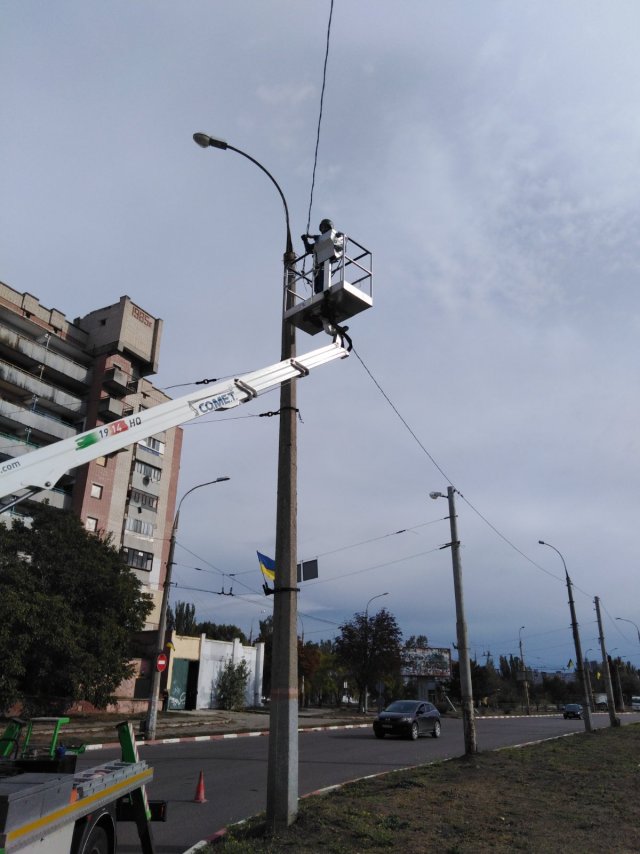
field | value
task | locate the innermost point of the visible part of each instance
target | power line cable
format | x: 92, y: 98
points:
x: 324, y: 81
x: 447, y: 478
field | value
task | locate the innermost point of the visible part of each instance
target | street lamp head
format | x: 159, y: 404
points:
x: 542, y: 542
x: 221, y: 479
x: 204, y: 141
x: 435, y: 495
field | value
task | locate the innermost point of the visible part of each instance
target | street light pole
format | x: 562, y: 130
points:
x: 152, y: 711
x: 366, y: 650
x: 464, y: 663
x: 576, y: 641
x: 624, y: 620
x: 282, y: 769
x: 524, y: 673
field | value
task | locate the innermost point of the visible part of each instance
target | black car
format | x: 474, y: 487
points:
x: 572, y: 710
x: 410, y: 718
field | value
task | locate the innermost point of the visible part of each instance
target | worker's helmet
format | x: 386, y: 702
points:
x: 326, y: 225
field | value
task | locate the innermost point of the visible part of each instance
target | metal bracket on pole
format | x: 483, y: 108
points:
x: 270, y: 591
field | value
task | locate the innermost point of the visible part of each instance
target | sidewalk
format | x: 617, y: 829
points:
x: 101, y: 729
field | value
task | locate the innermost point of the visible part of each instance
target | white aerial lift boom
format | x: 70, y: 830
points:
x: 41, y: 469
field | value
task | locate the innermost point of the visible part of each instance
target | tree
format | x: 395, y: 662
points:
x: 182, y: 619
x: 309, y: 659
x: 69, y: 606
x: 266, y: 636
x: 370, y: 649
x: 416, y: 642
x: 221, y: 631
x: 231, y: 685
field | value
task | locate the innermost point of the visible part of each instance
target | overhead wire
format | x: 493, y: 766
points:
x: 446, y: 477
x: 324, y: 81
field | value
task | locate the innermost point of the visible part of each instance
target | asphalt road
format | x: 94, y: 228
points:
x: 235, y: 770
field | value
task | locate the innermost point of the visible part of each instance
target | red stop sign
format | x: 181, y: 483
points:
x: 161, y: 662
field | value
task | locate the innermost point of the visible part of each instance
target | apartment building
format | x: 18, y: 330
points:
x: 61, y: 377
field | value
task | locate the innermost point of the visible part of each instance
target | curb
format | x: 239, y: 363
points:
x: 220, y: 736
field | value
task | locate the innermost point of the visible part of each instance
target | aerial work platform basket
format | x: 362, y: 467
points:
x: 347, y: 283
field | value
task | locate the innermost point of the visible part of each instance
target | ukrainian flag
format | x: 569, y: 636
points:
x: 267, y: 565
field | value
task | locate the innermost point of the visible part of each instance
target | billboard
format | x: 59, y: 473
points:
x: 427, y: 661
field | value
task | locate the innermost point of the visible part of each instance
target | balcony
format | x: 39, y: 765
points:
x: 14, y: 380
x: 14, y: 446
x: 116, y: 381
x: 37, y: 353
x: 22, y: 419
x: 144, y: 483
x: 110, y: 408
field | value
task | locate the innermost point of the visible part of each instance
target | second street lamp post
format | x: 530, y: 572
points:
x: 282, y: 768
x: 464, y: 663
x: 576, y: 641
x: 366, y: 650
x: 624, y: 620
x: 152, y: 713
x: 524, y: 673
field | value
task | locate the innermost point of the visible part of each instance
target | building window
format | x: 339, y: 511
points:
x: 138, y: 559
x: 152, y: 472
x: 154, y: 445
x: 139, y: 526
x: 91, y: 524
x: 101, y: 461
x: 96, y: 490
x: 143, y: 499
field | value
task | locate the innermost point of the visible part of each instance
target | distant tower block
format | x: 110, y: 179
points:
x: 349, y: 291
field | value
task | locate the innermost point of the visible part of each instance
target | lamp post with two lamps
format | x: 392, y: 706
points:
x: 466, y: 689
x: 576, y: 641
x: 282, y: 768
x: 152, y: 712
x: 366, y: 650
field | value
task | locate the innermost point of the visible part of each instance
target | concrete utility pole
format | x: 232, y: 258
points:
x: 587, y: 676
x: 282, y: 770
x: 576, y: 642
x: 611, y: 705
x: 152, y: 711
x: 525, y: 682
x: 466, y: 689
x: 620, y: 704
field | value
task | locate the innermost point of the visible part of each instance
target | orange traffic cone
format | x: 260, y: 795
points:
x: 199, y: 796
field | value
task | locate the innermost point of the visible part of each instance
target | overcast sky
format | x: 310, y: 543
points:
x: 488, y: 154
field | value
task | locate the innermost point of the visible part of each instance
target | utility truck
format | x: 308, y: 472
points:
x: 46, y: 807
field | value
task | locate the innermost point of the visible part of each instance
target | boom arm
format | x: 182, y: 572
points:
x: 41, y: 469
